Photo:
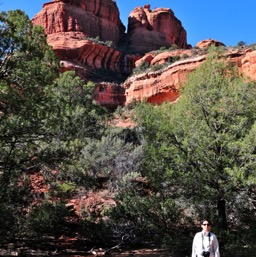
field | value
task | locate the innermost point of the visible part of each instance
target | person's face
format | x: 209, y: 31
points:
x: 206, y: 226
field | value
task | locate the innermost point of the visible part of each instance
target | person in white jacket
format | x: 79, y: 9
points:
x: 205, y: 243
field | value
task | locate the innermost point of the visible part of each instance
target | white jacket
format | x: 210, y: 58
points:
x: 205, y: 242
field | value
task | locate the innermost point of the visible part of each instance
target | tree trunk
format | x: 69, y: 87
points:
x: 221, y: 205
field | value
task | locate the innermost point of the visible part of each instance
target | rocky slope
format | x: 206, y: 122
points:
x: 89, y: 37
x: 163, y: 84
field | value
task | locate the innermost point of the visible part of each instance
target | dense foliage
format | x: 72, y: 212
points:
x: 46, y: 118
x: 181, y: 163
x: 200, y: 152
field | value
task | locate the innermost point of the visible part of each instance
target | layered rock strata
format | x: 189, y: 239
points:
x: 94, y: 18
x: 164, y: 84
x: 160, y: 86
x: 84, y: 35
x: 151, y: 29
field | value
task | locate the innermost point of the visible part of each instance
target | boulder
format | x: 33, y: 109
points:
x: 208, y: 42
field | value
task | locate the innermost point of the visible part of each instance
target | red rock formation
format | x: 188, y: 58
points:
x: 163, y: 85
x: 110, y: 95
x: 151, y: 29
x: 208, y: 42
x: 71, y: 26
x: 160, y: 86
x: 245, y: 60
x: 69, y: 23
x: 147, y: 58
x: 94, y: 18
x: 162, y: 57
x: 89, y: 55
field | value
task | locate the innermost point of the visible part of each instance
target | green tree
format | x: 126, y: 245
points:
x: 112, y: 158
x: 73, y: 120
x: 45, y: 118
x: 27, y: 65
x: 49, y: 218
x: 202, y: 149
x: 241, y: 43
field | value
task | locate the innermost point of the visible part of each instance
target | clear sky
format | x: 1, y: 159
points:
x: 228, y: 21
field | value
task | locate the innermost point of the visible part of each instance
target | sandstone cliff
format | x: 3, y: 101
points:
x: 94, y: 18
x: 164, y: 84
x: 84, y: 34
x: 151, y: 29
x: 89, y: 37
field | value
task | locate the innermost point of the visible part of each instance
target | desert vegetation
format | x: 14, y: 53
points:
x: 179, y: 164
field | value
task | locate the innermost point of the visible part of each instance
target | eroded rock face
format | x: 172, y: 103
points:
x: 84, y: 33
x: 94, y: 18
x: 248, y: 65
x: 163, y: 85
x: 160, y: 86
x: 71, y: 24
x: 151, y: 29
x: 110, y: 95
x: 90, y: 56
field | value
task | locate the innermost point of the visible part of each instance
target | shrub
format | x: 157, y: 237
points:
x: 157, y: 67
x: 163, y: 48
x: 173, y: 59
x: 154, y: 217
x: 141, y: 68
x: 64, y: 190
x: 241, y: 43
x: 7, y: 220
x: 97, y: 40
x: 185, y: 56
x: 173, y: 47
x: 48, y: 218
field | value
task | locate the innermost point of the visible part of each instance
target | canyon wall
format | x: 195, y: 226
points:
x: 89, y: 37
x: 164, y: 84
x: 94, y: 18
x: 84, y: 34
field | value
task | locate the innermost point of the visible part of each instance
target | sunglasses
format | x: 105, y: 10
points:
x: 206, y: 224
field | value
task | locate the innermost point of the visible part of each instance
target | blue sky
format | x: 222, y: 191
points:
x: 224, y: 20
